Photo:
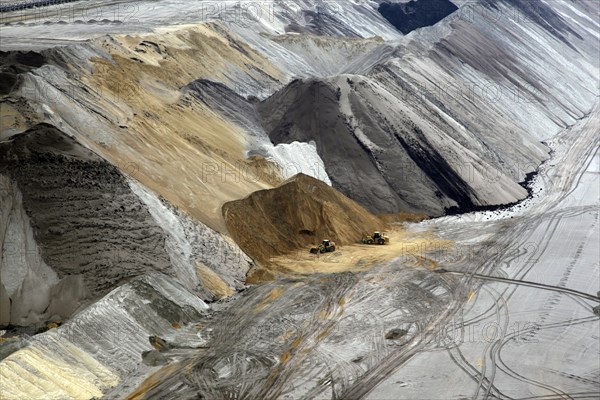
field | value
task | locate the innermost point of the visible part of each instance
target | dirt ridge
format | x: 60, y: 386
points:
x: 299, y: 212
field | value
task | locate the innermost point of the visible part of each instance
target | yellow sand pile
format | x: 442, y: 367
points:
x: 134, y: 113
x: 300, y: 212
x: 179, y: 148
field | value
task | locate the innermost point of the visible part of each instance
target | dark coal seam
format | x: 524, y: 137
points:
x: 526, y: 184
x: 437, y: 169
x: 412, y: 15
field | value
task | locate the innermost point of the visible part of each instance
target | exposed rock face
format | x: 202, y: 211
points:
x: 301, y: 211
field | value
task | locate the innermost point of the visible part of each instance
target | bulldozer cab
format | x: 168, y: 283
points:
x: 376, y: 235
x: 326, y: 242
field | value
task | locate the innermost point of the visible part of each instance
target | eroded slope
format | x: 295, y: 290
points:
x: 74, y: 227
x: 381, y: 153
x: 121, y: 96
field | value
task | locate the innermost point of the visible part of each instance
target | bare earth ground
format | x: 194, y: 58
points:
x: 361, y: 257
x: 511, y: 340
x: 390, y: 332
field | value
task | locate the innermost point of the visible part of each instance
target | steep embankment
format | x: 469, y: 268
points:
x: 73, y: 228
x: 122, y: 97
x: 300, y: 212
x: 267, y: 162
x: 91, y: 229
x: 381, y: 153
x: 453, y: 115
x: 499, y: 68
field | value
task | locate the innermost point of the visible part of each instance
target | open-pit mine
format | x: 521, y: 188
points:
x: 300, y: 199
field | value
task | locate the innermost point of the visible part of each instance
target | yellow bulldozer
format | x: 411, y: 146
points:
x: 326, y: 246
x: 376, y: 238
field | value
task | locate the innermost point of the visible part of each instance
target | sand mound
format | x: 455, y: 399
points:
x: 71, y: 227
x: 380, y: 150
x: 13, y: 63
x: 300, y: 212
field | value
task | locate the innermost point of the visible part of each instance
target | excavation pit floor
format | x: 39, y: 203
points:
x: 404, y: 246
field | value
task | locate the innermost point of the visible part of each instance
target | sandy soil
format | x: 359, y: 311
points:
x: 124, y: 96
x: 182, y: 150
x: 301, y: 211
x: 355, y: 257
